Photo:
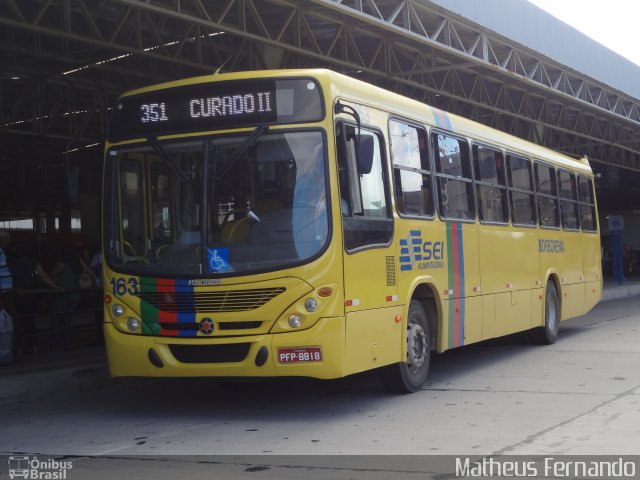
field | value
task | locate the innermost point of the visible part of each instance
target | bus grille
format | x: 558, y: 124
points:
x: 194, y: 327
x: 211, y: 302
x: 226, y: 353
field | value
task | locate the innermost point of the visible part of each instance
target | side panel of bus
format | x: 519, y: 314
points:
x: 508, y: 265
x: 561, y: 255
x: 592, y: 270
x: 487, y: 276
x: 472, y: 282
x: 590, y: 243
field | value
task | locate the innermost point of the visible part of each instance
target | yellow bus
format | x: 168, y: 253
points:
x: 305, y: 223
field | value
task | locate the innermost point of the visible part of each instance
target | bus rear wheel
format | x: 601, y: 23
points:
x: 548, y: 334
x: 409, y: 376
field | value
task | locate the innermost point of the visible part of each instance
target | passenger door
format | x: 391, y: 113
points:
x: 372, y: 335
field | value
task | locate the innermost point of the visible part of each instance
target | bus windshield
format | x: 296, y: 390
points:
x: 223, y: 205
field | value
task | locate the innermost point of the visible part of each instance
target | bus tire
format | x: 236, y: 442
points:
x: 548, y: 334
x: 409, y: 376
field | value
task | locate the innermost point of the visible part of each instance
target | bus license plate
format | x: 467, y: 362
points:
x: 299, y: 354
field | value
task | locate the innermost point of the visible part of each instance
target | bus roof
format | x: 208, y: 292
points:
x: 376, y: 97
x: 366, y: 94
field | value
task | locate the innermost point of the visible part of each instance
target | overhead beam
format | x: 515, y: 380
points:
x: 413, y: 45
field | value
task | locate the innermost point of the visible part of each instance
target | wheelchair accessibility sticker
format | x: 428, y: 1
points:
x: 218, y: 260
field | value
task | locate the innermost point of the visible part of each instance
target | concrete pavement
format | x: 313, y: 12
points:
x: 51, y: 375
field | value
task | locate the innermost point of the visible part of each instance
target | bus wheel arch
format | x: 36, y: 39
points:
x: 425, y: 294
x: 554, y: 278
x: 548, y: 333
x: 421, y: 330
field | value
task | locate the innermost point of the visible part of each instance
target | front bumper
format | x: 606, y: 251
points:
x: 240, y: 356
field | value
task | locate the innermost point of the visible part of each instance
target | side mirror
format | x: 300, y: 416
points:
x: 364, y: 156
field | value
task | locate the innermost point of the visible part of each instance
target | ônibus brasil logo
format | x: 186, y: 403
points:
x: 24, y: 466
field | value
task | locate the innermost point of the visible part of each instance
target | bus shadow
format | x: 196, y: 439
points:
x: 492, y: 358
x: 317, y: 399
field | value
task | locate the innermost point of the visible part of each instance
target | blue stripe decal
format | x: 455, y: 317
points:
x: 441, y: 119
x: 189, y: 316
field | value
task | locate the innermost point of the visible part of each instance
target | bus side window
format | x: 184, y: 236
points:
x: 363, y: 196
x: 521, y: 192
x: 547, y: 191
x: 491, y: 185
x: 453, y: 172
x: 568, y: 192
x: 412, y: 176
x: 587, y: 205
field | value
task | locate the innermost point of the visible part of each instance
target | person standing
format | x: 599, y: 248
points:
x: 6, y: 280
x: 96, y: 265
x: 7, y: 346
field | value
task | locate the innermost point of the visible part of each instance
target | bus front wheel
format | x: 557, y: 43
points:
x: 409, y: 376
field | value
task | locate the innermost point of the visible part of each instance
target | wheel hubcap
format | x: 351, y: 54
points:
x: 552, y: 314
x: 417, y: 348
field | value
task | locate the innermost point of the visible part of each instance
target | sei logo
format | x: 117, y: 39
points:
x: 415, y: 253
x: 432, y: 250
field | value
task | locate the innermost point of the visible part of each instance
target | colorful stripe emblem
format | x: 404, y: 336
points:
x: 441, y: 119
x: 153, y: 317
x: 455, y: 255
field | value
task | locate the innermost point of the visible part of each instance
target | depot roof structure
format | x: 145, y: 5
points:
x: 64, y: 62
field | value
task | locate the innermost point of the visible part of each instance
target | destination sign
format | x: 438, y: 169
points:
x: 216, y: 105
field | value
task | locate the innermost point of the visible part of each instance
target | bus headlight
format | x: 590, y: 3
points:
x: 311, y: 305
x: 117, y: 310
x: 294, y: 321
x: 133, y: 324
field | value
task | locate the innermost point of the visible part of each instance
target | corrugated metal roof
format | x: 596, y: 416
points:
x: 531, y: 26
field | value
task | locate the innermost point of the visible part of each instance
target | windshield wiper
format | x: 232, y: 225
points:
x: 248, y: 142
x: 153, y: 141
